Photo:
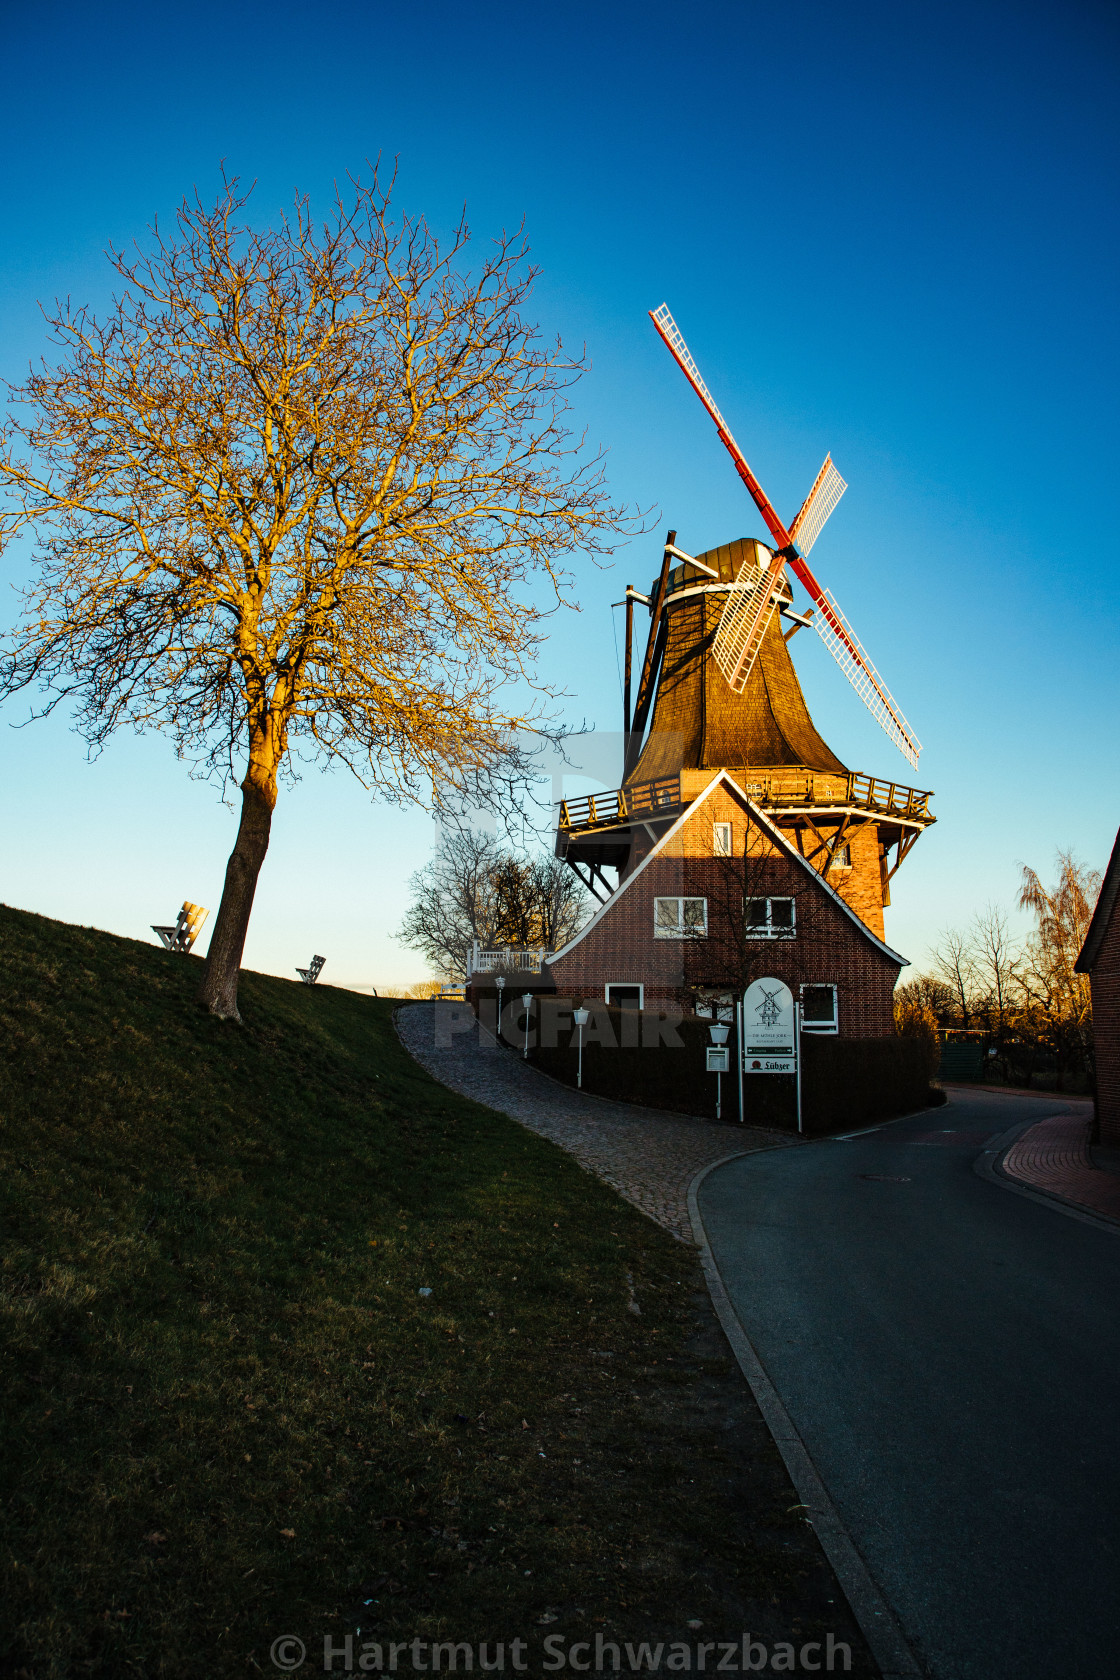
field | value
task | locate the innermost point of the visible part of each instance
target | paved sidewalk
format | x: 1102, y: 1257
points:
x: 649, y: 1155
x: 1054, y: 1156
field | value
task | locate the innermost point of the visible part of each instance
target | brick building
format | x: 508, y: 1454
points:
x: 724, y: 897
x: 1100, y: 960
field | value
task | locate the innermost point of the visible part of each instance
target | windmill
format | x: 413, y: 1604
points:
x: 753, y: 598
x: 717, y: 690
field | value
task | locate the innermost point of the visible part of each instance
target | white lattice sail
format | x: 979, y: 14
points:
x: 828, y: 487
x: 747, y: 612
x: 675, y: 340
x: 844, y: 646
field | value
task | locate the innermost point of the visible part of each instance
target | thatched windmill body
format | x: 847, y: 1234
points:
x: 717, y: 690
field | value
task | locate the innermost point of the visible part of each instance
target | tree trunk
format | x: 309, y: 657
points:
x: 227, y: 942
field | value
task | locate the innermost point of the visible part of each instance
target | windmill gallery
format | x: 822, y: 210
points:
x: 739, y: 844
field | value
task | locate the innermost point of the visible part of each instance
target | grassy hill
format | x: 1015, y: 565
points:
x: 229, y: 1414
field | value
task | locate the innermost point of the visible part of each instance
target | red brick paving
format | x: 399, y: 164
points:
x: 1054, y: 1155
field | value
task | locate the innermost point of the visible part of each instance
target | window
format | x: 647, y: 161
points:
x: 770, y: 918
x: 818, y: 1009
x: 625, y: 995
x: 842, y: 858
x: 680, y: 918
x: 712, y: 1005
x: 721, y: 839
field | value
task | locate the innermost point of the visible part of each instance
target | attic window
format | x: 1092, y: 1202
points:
x: 842, y: 857
x: 721, y: 839
x: 770, y: 918
x: 680, y: 918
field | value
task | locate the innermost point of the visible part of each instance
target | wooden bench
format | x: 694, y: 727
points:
x: 186, y: 930
x: 311, y: 974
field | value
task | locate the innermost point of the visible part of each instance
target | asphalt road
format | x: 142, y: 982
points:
x: 950, y: 1353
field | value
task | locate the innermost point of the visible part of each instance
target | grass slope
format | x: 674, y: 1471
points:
x: 228, y: 1413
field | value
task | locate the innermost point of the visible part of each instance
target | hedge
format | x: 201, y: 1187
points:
x: 846, y: 1082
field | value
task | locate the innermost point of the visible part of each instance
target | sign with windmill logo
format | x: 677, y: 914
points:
x: 769, y: 1029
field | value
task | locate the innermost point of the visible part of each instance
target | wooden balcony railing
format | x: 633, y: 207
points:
x: 782, y: 788
x: 622, y: 805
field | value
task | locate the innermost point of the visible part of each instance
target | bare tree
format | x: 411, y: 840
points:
x: 995, y: 964
x: 453, y: 901
x: 954, y: 963
x: 475, y: 890
x: 295, y: 494
x: 540, y: 902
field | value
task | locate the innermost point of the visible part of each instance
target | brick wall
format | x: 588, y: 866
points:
x: 827, y: 948
x: 1105, y: 984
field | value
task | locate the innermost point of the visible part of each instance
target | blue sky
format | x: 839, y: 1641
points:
x: 886, y: 231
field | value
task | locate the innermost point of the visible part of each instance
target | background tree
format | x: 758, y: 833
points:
x: 474, y: 889
x: 540, y: 902
x: 914, y: 1017
x: 1028, y: 1008
x: 928, y: 994
x: 954, y: 963
x: 1057, y: 1016
x: 288, y: 495
x: 453, y: 901
x: 995, y: 959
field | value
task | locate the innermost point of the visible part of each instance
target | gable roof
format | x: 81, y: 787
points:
x: 772, y: 831
x: 1102, y: 915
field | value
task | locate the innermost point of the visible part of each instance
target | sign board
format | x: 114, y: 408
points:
x: 769, y: 1032
x: 719, y: 1058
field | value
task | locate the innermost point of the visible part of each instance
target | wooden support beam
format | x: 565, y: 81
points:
x: 626, y: 683
x: 829, y: 847
x: 822, y: 843
x: 837, y: 842
x: 588, y: 880
x: 905, y: 846
x: 655, y: 648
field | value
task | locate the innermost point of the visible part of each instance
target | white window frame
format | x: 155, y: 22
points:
x: 833, y: 1026
x: 631, y: 986
x: 843, y: 857
x: 723, y: 839
x: 770, y: 931
x: 679, y: 931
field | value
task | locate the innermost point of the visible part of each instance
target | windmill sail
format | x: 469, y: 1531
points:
x: 746, y: 614
x: 828, y: 487
x: 844, y: 646
x: 749, y: 608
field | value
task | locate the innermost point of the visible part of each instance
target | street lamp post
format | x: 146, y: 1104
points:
x: 527, y: 1005
x: 500, y: 982
x: 580, y: 1017
x: 719, y: 1036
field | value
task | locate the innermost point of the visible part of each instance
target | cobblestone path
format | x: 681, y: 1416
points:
x: 1054, y: 1155
x: 649, y: 1155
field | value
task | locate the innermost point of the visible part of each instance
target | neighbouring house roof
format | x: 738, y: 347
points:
x: 1102, y: 915
x: 774, y: 833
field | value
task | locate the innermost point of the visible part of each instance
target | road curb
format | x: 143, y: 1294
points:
x: 876, y: 1620
x: 987, y: 1165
